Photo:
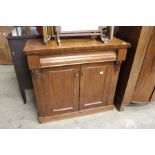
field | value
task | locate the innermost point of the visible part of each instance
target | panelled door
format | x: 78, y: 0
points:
x: 61, y: 86
x: 94, y: 84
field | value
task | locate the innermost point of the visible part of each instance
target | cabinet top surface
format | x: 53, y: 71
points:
x: 36, y: 46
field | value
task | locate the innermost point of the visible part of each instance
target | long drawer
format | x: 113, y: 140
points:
x: 77, y: 58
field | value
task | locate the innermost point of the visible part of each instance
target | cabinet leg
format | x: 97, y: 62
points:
x: 23, y: 95
x: 119, y: 106
x: 122, y: 108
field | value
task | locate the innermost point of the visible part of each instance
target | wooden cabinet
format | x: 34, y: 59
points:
x: 79, y: 77
x: 137, y: 76
x: 16, y: 40
x: 146, y: 80
x: 5, y: 55
x: 153, y: 96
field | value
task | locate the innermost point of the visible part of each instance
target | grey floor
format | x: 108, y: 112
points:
x: 15, y: 114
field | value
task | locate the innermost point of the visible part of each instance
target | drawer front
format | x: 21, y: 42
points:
x: 77, y: 58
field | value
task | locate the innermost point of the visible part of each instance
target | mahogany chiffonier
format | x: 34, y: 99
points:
x: 77, y: 78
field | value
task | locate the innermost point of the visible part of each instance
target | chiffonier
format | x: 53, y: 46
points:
x: 77, y: 78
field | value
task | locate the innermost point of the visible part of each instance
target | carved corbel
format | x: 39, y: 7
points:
x: 36, y: 74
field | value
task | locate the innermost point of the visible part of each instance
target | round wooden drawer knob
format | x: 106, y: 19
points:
x: 101, y: 72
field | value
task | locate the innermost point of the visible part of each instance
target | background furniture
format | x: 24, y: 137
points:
x: 137, y: 77
x: 146, y: 80
x: 17, y: 39
x: 76, y: 78
x: 153, y: 96
x: 5, y: 55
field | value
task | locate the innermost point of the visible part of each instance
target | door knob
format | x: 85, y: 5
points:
x: 76, y: 75
x: 2, y: 34
x: 101, y: 72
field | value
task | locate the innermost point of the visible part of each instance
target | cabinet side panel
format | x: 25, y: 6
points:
x: 138, y: 61
x: 139, y: 37
x: 146, y: 79
x: 20, y: 63
x: 39, y: 91
x: 114, y: 80
x: 126, y: 33
x: 153, y: 95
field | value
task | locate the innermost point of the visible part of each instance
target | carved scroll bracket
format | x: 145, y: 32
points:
x: 36, y: 73
x: 118, y: 65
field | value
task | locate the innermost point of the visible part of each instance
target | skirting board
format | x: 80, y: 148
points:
x: 74, y: 114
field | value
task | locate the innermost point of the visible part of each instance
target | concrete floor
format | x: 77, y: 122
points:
x: 15, y: 114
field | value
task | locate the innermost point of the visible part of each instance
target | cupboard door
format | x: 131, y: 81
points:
x: 61, y: 87
x: 94, y: 84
